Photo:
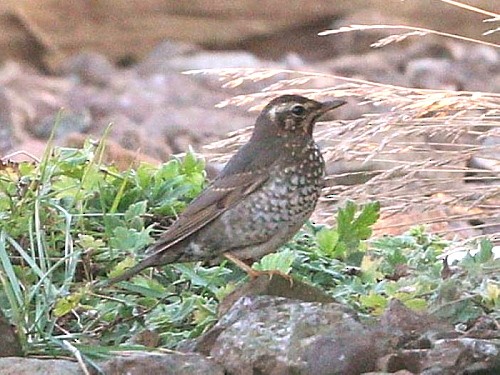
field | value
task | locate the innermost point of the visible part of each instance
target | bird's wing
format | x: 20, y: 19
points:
x: 221, y: 195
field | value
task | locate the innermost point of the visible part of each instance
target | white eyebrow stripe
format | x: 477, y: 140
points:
x: 282, y: 107
x: 272, y: 114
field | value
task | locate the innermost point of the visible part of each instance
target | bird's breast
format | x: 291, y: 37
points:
x: 292, y: 190
x: 277, y: 209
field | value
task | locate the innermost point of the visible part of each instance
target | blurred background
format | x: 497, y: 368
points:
x: 120, y: 62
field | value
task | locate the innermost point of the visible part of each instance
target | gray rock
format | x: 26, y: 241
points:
x: 135, y: 363
x: 10, y: 346
x: 180, y: 127
x: 33, y: 366
x: 158, y: 60
x: 89, y: 68
x: 400, y: 320
x: 432, y: 73
x: 275, y: 286
x: 62, y: 124
x: 462, y: 356
x: 275, y: 335
x: 216, y: 60
x: 6, y: 124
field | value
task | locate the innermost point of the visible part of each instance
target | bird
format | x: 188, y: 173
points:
x: 260, y: 199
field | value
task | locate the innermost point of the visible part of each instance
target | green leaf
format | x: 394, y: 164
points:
x: 144, y: 175
x: 417, y: 304
x: 65, y: 305
x: 340, y: 250
x: 327, y: 239
x: 168, y: 171
x: 87, y: 241
x: 135, y: 210
x: 191, y: 164
x: 368, y: 216
x: 461, y: 310
x: 189, y: 271
x: 485, y: 253
x: 281, y: 261
x: 122, y: 266
x: 374, y: 302
x: 352, y: 228
x: 146, y: 287
x: 130, y: 239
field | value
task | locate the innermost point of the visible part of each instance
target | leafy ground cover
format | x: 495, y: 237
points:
x: 68, y: 221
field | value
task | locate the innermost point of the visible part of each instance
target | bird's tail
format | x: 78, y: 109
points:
x: 132, y: 271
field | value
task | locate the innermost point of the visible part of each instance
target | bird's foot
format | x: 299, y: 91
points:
x: 253, y: 274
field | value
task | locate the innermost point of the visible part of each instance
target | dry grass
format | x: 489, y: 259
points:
x: 430, y: 157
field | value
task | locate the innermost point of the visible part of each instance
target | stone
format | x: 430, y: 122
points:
x: 137, y: 363
x: 89, y: 68
x: 276, y: 335
x: 10, y: 345
x: 7, y: 138
x: 34, y: 366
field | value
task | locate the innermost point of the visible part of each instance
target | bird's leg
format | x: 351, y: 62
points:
x: 253, y: 274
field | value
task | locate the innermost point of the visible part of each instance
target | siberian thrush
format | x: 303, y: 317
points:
x: 261, y: 198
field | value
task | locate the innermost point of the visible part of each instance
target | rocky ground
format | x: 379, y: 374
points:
x: 270, y: 327
x: 158, y: 111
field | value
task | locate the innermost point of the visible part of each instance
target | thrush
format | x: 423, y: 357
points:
x: 261, y: 198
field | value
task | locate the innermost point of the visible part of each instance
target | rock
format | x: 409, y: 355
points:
x: 98, y: 101
x: 484, y: 327
x: 463, y: 355
x: 62, y: 123
x: 146, y: 337
x: 398, y: 318
x: 89, y: 68
x: 43, y: 35
x: 430, y: 47
x: 135, y: 363
x: 33, y: 148
x: 7, y: 139
x: 431, y: 346
x: 216, y: 60
x: 269, y: 335
x: 276, y: 335
x: 158, y: 60
x: 10, y: 346
x: 377, y: 66
x: 275, y: 286
x: 432, y: 73
x: 343, y: 351
x: 133, y: 137
x: 33, y: 366
x: 180, y: 127
x: 447, y: 357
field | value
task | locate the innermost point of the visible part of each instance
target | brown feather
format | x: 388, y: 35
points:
x: 215, y: 200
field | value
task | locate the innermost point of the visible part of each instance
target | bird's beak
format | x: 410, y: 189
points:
x: 332, y: 104
x: 325, y: 107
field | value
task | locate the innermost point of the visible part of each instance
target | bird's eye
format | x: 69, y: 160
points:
x: 298, y: 110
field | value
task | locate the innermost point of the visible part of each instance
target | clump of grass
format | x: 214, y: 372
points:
x: 68, y: 220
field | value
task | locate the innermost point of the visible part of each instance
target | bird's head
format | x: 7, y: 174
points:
x: 290, y: 115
